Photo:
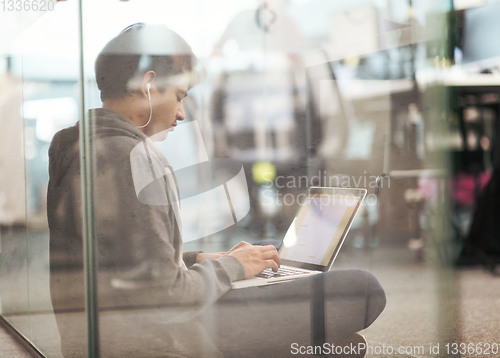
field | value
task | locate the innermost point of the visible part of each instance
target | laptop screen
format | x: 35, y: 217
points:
x: 315, y: 236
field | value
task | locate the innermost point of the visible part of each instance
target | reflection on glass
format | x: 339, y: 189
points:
x: 38, y: 96
x: 290, y: 96
x: 149, y: 289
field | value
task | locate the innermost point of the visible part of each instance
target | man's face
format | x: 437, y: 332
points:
x: 167, y: 109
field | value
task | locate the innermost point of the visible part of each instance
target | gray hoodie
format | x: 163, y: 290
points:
x: 129, y: 231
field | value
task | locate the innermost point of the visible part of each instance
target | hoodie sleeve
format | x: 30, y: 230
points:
x: 128, y: 232
x: 126, y: 223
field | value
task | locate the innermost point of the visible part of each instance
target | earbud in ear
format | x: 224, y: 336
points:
x: 148, y: 86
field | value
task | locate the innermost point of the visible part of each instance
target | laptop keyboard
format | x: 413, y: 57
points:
x: 283, y: 271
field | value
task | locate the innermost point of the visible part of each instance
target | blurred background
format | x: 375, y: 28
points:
x: 399, y: 97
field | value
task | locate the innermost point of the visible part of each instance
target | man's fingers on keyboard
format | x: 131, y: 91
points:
x: 270, y: 252
x: 276, y: 258
x: 272, y: 265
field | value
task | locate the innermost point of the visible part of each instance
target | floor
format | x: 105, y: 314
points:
x: 429, y: 308
x: 9, y: 347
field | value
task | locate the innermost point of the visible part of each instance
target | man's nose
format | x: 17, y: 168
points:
x: 180, y: 116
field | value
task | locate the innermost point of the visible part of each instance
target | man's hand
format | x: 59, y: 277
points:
x: 238, y: 246
x: 255, y: 259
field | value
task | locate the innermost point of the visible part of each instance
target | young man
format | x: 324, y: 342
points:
x: 143, y: 75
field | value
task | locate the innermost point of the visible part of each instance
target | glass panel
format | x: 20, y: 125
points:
x: 40, y: 96
x: 281, y: 100
x: 284, y: 103
x: 370, y: 123
x: 13, y: 234
x: 282, y: 96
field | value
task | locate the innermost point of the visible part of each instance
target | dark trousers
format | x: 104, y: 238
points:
x: 271, y: 320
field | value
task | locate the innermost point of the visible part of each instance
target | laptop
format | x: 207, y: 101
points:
x: 315, y: 236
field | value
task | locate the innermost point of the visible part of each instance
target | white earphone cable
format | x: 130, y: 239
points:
x: 150, y: 108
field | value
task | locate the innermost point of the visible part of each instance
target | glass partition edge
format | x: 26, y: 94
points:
x: 89, y: 244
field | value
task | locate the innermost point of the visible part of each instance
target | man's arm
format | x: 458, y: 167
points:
x: 254, y: 259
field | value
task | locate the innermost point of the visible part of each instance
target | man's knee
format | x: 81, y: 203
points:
x: 360, y: 286
x: 376, y: 298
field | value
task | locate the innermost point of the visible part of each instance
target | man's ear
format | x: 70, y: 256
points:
x: 147, y: 82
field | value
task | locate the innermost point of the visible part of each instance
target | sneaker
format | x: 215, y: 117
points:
x: 355, y: 346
